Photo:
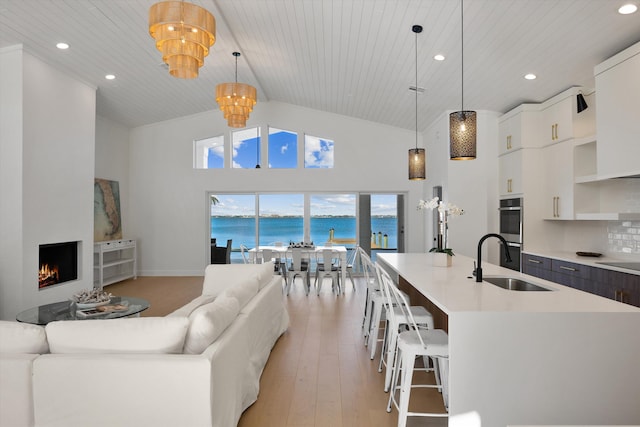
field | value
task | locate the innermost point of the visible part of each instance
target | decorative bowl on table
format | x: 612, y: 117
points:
x: 90, y: 298
x: 82, y: 306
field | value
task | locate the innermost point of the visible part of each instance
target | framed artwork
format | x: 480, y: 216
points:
x: 106, y: 211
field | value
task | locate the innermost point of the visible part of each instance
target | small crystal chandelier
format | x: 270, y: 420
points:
x: 462, y: 124
x: 184, y: 33
x: 417, y: 167
x: 236, y: 100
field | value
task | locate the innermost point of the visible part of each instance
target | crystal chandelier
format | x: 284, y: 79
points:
x: 184, y: 33
x: 236, y: 100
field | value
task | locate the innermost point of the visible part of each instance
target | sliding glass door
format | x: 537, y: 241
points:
x: 374, y: 221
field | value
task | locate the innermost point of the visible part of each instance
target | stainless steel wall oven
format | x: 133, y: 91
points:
x: 511, y: 229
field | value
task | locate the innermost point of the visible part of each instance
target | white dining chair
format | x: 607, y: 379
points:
x: 298, y: 266
x: 245, y: 254
x: 267, y: 255
x: 352, y: 259
x: 326, y: 266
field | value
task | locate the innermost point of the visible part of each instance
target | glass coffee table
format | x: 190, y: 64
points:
x: 63, y: 311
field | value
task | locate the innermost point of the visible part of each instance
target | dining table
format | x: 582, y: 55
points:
x: 341, y: 252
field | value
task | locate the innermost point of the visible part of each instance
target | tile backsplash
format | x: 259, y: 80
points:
x: 624, y: 237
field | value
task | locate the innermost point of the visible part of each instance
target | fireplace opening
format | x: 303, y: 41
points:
x: 58, y: 264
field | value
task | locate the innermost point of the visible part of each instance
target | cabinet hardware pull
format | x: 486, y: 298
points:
x: 508, y: 142
x: 623, y: 296
x: 535, y: 261
x: 568, y: 268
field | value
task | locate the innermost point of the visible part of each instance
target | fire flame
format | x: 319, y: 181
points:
x: 48, y: 275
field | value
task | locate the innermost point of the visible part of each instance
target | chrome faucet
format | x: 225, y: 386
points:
x: 482, y: 239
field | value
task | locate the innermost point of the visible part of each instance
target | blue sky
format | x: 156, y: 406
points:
x: 282, y: 150
x: 293, y: 204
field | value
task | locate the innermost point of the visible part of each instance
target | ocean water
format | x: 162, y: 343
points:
x: 286, y: 229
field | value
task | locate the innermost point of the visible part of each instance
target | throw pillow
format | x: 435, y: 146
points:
x: 243, y: 291
x: 188, y: 308
x: 207, y: 322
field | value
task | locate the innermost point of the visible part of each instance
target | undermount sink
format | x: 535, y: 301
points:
x: 514, y: 284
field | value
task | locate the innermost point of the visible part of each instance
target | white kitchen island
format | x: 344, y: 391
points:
x: 559, y: 357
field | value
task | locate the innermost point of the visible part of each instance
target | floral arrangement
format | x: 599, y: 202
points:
x: 444, y: 211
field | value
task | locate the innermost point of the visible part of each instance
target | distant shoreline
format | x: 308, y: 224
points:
x: 298, y: 216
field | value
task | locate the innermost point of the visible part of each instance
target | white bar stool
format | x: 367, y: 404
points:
x: 393, y: 328
x: 431, y: 343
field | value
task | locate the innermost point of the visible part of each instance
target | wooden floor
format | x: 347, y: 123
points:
x: 319, y: 373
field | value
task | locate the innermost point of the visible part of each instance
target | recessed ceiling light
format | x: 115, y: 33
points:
x: 62, y: 46
x: 439, y: 57
x: 530, y: 76
x: 627, y: 9
x: 109, y: 77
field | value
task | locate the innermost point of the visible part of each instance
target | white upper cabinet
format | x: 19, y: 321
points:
x: 519, y: 128
x: 558, y: 196
x: 560, y: 119
x: 618, y: 118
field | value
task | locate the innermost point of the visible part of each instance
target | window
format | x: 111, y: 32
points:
x: 372, y: 220
x: 333, y: 219
x: 233, y: 216
x: 318, y: 153
x: 384, y: 221
x: 283, y: 148
x: 209, y: 153
x: 281, y: 218
x: 246, y: 148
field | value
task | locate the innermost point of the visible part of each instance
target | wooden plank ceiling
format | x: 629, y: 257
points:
x: 350, y: 57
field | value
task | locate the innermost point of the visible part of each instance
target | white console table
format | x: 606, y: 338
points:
x: 114, y: 261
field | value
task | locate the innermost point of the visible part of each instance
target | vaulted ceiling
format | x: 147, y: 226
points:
x: 350, y: 57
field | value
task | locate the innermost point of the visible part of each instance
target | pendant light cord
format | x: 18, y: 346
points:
x: 416, y: 92
x: 462, y: 49
x: 236, y: 54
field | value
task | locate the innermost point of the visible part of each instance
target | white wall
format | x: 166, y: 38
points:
x: 10, y: 183
x: 168, y: 203
x: 112, y: 161
x: 470, y: 184
x: 54, y: 168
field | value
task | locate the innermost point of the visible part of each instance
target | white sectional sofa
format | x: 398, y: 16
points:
x: 198, y: 366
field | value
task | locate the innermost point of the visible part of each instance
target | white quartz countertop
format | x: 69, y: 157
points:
x: 454, y: 289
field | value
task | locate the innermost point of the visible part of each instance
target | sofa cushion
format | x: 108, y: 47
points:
x: 207, y: 322
x: 265, y: 274
x: 16, y: 337
x: 163, y: 335
x: 219, y: 277
x: 187, y: 309
x: 243, y: 291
